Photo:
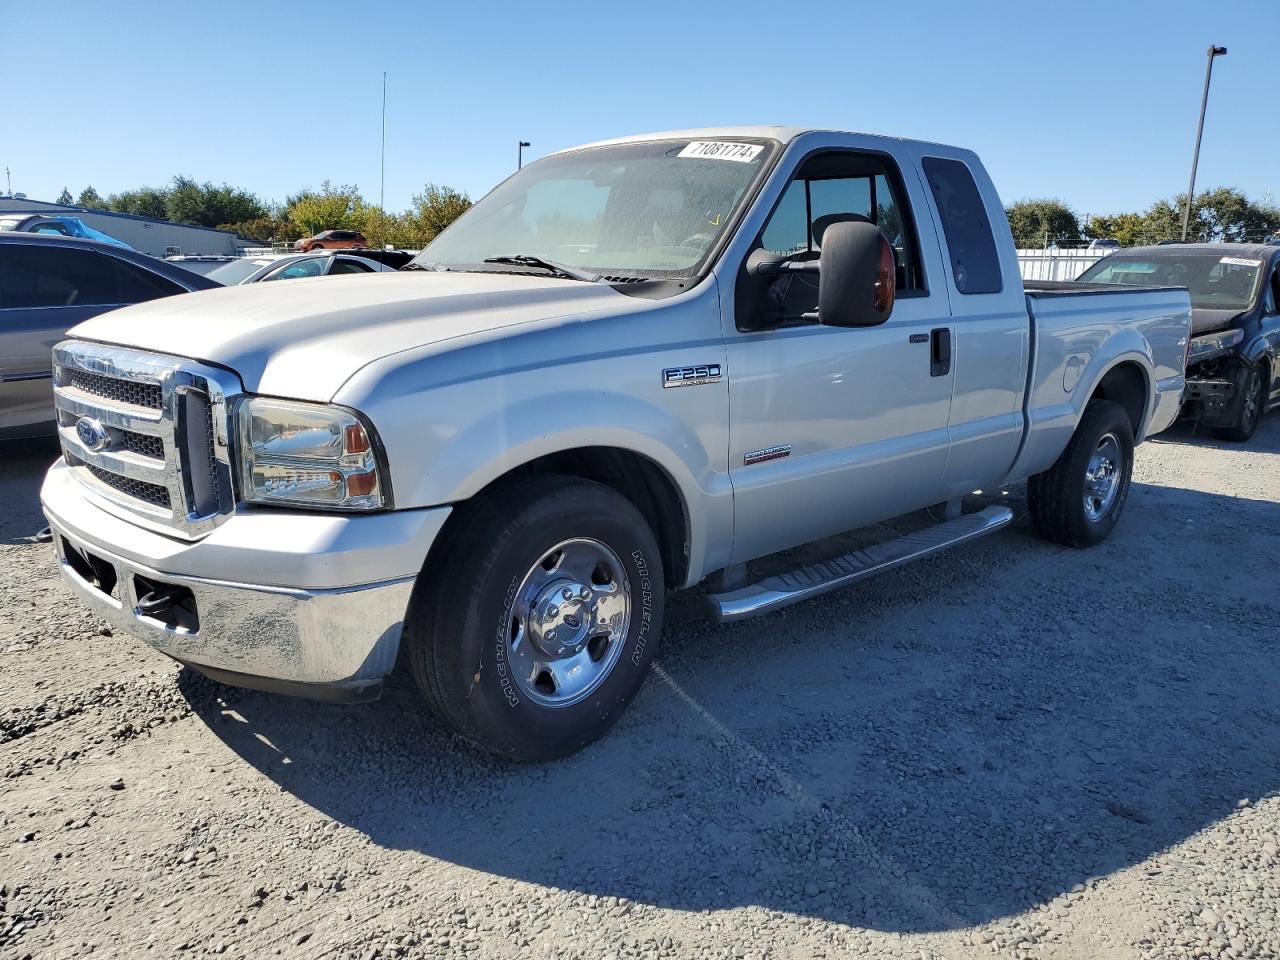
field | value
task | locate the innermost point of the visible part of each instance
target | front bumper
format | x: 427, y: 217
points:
x: 303, y: 603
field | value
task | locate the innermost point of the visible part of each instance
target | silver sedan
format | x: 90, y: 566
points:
x: 292, y: 266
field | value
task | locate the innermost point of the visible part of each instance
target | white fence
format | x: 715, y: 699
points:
x: 1056, y: 264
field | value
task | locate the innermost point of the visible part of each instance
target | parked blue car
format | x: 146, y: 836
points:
x: 22, y: 222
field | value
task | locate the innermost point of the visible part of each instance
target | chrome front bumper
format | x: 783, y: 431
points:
x: 323, y: 617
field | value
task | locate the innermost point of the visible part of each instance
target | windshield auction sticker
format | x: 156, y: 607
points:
x: 721, y: 150
x: 1240, y: 262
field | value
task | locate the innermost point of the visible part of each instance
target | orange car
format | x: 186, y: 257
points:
x: 331, y: 240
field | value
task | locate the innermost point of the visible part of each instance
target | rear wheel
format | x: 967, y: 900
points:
x: 536, y: 623
x: 1079, y: 499
x: 1249, y: 412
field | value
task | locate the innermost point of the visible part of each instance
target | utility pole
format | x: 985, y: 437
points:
x: 520, y: 153
x: 1213, y: 52
x: 382, y: 172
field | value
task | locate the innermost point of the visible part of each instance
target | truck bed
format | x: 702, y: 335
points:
x: 1080, y: 330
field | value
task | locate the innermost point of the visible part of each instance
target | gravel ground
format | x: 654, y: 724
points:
x: 1014, y: 749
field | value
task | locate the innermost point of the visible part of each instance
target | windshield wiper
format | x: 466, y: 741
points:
x: 433, y: 267
x: 560, y: 269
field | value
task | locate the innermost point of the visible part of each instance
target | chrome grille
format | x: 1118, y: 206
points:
x: 156, y: 447
x: 151, y: 493
x: 132, y: 392
x: 144, y: 445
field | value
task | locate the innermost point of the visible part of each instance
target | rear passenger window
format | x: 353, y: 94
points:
x: 975, y: 264
x: 348, y: 266
x: 136, y: 285
x: 63, y: 277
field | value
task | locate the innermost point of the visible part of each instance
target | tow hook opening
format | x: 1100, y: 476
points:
x: 166, y: 603
x: 95, y: 571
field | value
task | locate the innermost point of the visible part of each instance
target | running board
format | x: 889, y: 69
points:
x: 773, y: 593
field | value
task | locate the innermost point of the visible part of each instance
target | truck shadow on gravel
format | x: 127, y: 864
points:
x: 934, y: 749
x: 22, y: 468
x: 1265, y: 440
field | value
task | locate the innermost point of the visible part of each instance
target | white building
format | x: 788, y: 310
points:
x: 160, y: 238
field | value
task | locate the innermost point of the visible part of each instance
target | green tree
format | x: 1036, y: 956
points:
x: 266, y: 229
x: 64, y: 197
x: 90, y: 198
x: 184, y: 202
x: 143, y: 202
x: 1130, y: 229
x: 1163, y: 221
x: 228, y: 204
x: 434, y: 209
x: 207, y: 205
x: 1226, y: 214
x: 380, y: 227
x: 333, y: 208
x: 1034, y: 220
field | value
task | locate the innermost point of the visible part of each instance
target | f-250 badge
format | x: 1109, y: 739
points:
x: 691, y: 376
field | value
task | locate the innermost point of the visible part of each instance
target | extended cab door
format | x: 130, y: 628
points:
x: 990, y: 323
x: 834, y: 428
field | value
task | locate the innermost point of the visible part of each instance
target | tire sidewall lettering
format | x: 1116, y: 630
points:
x: 501, y: 667
x: 644, y: 584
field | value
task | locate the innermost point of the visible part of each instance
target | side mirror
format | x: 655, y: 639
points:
x: 857, y: 276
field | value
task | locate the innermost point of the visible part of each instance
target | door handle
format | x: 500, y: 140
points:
x: 939, y: 352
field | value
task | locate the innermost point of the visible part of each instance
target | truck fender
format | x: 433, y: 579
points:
x: 1140, y: 359
x: 1055, y: 407
x: 505, y: 438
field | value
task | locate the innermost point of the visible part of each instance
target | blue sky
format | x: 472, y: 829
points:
x: 1094, y: 103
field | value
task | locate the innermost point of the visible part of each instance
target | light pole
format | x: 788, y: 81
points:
x: 1214, y: 51
x: 520, y: 153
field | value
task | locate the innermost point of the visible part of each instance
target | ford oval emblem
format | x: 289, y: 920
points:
x: 92, y: 434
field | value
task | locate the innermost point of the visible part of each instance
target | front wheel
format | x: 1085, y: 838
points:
x: 536, y: 623
x: 1079, y: 499
x: 1249, y: 412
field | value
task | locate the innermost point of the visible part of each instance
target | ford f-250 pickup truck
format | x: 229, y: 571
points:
x: 633, y: 367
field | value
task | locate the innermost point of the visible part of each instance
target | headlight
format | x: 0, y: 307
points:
x: 308, y: 454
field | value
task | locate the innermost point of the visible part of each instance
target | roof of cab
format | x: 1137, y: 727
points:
x: 782, y: 133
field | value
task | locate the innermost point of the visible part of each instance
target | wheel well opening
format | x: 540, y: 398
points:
x: 1126, y: 385
x: 642, y: 481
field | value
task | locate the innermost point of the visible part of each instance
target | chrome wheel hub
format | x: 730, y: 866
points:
x: 568, y: 622
x: 1102, y: 478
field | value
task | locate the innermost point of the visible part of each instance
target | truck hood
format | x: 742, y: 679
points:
x: 305, y: 338
x: 1207, y: 320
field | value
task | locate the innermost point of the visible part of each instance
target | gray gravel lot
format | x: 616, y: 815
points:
x: 1014, y: 749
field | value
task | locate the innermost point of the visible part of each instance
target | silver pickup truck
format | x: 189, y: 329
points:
x: 632, y: 368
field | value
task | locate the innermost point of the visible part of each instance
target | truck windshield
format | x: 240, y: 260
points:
x: 649, y: 210
x: 1215, y: 281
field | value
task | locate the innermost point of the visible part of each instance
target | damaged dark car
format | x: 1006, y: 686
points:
x: 1232, y: 377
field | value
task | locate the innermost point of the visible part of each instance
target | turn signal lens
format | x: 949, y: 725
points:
x: 356, y: 440
x: 886, y: 278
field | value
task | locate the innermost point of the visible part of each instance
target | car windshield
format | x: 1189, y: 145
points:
x: 237, y: 270
x: 650, y: 209
x: 1215, y: 281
